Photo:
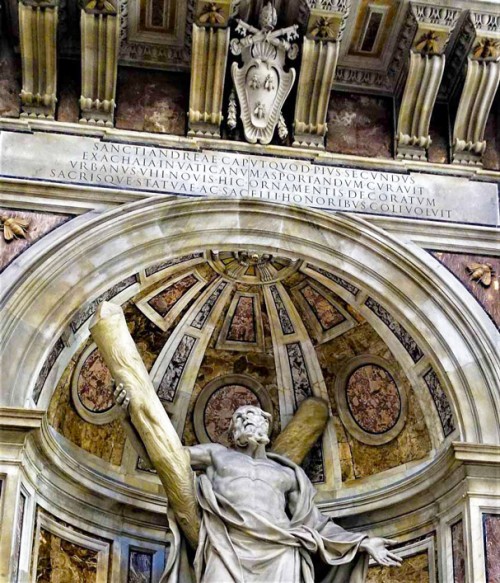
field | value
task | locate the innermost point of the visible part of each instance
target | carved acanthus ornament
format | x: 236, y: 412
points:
x: 208, y: 67
x: 38, y: 39
x: 481, y: 83
x: 262, y: 84
x: 100, y: 39
x: 320, y: 52
x: 427, y: 60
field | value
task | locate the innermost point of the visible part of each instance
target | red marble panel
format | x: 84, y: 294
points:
x: 458, y: 550
x: 167, y: 299
x: 39, y: 225
x: 242, y: 328
x: 152, y: 101
x: 326, y: 313
x: 360, y: 125
x: 373, y: 398
x: 95, y: 384
x: 487, y: 296
x: 220, y: 408
x: 492, y: 547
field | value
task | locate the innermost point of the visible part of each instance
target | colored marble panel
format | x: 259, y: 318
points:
x: 152, y: 101
x: 62, y: 561
x: 242, y: 327
x: 166, y: 300
x: 202, y: 316
x: 95, y: 384
x: 140, y: 567
x: 175, y: 368
x: 220, y: 408
x: 397, y: 329
x: 326, y: 313
x: 415, y: 569
x: 18, y: 534
x: 284, y: 318
x: 441, y: 402
x: 487, y: 296
x: 47, y: 365
x: 491, y: 526
x: 84, y: 314
x: 40, y: 224
x: 373, y: 399
x: 301, y: 385
x: 458, y: 550
x: 313, y: 465
x: 165, y: 264
x: 360, y: 124
x: 336, y: 279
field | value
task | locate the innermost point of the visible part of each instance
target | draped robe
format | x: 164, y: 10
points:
x: 238, y: 545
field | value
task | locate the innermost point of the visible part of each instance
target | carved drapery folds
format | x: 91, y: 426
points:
x: 38, y: 36
x: 427, y: 61
x: 100, y: 37
x: 320, y: 52
x: 208, y: 67
x: 481, y: 83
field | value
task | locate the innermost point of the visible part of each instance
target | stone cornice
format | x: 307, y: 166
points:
x: 15, y: 418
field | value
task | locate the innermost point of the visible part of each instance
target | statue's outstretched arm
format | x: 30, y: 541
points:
x: 170, y: 459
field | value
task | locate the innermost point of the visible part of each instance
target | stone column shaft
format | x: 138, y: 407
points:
x: 38, y: 37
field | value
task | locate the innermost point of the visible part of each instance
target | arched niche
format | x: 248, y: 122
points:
x: 43, y: 289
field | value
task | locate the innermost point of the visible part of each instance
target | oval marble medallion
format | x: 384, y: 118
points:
x: 373, y: 398
x: 95, y: 384
x: 220, y: 407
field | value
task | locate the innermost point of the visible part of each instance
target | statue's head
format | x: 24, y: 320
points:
x: 250, y: 424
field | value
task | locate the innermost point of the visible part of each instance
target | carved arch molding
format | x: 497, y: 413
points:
x: 81, y: 262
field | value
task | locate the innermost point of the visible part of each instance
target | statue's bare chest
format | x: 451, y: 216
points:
x: 230, y: 466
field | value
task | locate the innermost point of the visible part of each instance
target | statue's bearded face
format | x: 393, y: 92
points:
x: 250, y: 425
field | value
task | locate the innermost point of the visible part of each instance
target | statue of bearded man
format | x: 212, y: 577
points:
x: 249, y: 514
x: 259, y: 522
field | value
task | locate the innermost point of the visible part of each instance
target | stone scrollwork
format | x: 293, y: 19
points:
x: 427, y: 61
x: 100, y: 38
x: 262, y: 84
x: 38, y: 39
x: 481, y: 82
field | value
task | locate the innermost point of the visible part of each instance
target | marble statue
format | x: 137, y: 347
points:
x: 249, y: 514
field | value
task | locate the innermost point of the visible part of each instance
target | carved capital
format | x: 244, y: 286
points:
x: 434, y: 27
x: 104, y: 7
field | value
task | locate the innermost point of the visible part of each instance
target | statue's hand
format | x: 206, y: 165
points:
x: 121, y: 398
x: 376, y: 548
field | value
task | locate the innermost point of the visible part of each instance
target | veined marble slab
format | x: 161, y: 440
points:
x: 89, y: 161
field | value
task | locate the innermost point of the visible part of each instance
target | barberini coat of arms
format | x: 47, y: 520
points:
x: 261, y: 83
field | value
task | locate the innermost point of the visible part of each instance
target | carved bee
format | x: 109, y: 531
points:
x: 481, y: 272
x: 13, y: 228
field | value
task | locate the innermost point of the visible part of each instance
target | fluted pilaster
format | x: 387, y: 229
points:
x: 100, y: 36
x: 38, y: 39
x: 208, y: 68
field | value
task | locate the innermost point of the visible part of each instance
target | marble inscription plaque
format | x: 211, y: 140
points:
x: 89, y: 161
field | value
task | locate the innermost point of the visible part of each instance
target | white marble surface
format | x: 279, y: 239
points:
x: 87, y: 161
